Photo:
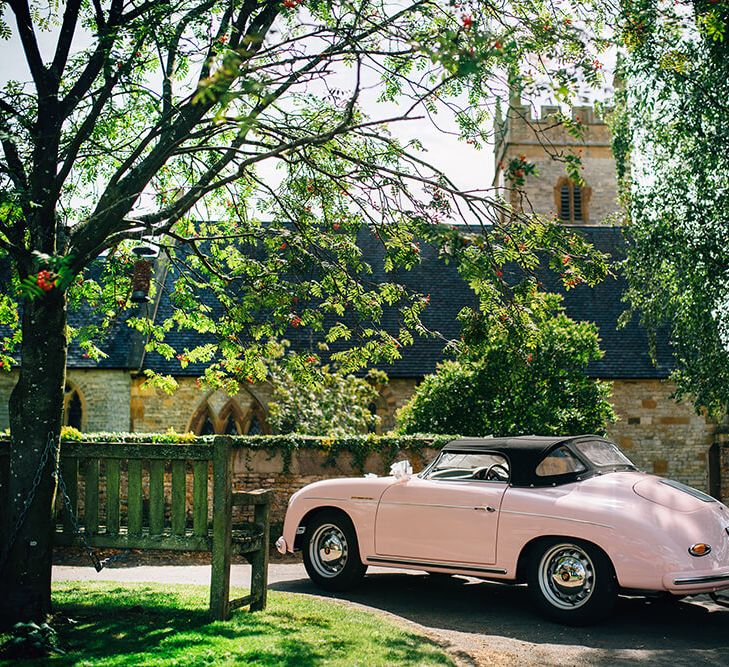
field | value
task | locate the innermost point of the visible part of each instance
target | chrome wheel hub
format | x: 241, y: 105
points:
x: 328, y: 550
x: 566, y: 576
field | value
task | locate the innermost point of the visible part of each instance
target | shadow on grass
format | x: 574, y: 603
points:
x: 156, y: 625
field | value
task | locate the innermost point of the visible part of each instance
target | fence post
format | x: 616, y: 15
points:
x: 222, y: 504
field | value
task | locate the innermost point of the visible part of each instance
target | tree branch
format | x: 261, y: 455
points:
x: 30, y: 45
x: 96, y: 61
x: 68, y: 28
x: 16, y: 171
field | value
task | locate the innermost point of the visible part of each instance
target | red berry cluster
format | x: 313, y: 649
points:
x: 295, y: 321
x: 46, y: 280
x: 310, y: 359
x: 467, y: 21
x: 291, y: 4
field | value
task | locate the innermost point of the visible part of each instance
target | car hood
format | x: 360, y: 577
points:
x: 349, y: 488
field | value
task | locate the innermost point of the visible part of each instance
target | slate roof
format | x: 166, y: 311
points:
x: 626, y: 350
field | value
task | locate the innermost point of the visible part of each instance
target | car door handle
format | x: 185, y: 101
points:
x: 488, y: 508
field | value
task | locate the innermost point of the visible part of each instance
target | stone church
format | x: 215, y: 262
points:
x: 659, y: 434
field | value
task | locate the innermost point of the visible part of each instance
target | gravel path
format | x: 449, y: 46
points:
x: 490, y: 624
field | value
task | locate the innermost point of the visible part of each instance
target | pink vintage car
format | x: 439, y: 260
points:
x: 571, y: 516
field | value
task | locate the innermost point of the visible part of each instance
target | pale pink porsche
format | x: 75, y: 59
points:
x: 570, y: 516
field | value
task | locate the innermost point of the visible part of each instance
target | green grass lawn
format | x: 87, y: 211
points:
x: 153, y: 624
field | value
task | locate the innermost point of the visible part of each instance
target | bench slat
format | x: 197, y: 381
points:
x: 112, y: 495
x: 156, y: 497
x: 91, y: 493
x: 134, y: 497
x: 179, y: 493
x: 200, y: 498
x: 144, y: 541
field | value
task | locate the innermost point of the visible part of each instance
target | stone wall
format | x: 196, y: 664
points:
x: 660, y: 435
x: 397, y: 392
x: 255, y: 468
x: 723, y: 440
x: 7, y: 382
x: 105, y: 397
x: 153, y: 411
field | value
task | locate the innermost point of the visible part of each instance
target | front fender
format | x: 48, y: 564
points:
x: 357, y: 498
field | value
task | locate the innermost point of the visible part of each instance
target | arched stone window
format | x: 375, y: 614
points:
x: 254, y: 426
x: 207, y: 427
x: 73, y: 408
x: 231, y: 420
x: 203, y: 422
x: 571, y: 201
x: 255, y: 422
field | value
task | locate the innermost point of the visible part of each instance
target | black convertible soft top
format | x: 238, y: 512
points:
x: 525, y: 453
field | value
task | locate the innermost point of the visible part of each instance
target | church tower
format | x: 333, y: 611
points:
x: 539, y: 140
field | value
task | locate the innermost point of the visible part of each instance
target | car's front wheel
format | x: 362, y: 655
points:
x: 331, y: 552
x: 572, y: 581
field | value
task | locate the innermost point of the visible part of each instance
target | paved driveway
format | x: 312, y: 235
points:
x: 490, y: 624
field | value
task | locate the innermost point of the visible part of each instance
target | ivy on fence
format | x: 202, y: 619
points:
x: 359, y: 446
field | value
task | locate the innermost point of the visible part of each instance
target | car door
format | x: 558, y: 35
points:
x: 439, y: 521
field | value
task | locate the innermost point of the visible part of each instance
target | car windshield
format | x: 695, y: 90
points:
x: 469, y: 466
x: 601, y: 453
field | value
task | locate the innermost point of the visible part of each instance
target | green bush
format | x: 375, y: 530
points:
x: 502, y: 385
x: 318, y: 399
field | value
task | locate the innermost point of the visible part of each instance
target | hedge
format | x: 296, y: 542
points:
x: 359, y: 446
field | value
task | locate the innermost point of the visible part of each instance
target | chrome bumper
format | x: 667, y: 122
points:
x: 701, y: 580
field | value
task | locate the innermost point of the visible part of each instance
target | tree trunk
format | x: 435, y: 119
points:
x: 36, y: 408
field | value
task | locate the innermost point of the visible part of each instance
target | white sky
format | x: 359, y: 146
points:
x: 468, y: 168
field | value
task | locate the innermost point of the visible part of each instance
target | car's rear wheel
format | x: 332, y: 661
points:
x: 572, y: 581
x: 331, y: 552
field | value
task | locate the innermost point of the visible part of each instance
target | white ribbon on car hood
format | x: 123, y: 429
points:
x: 401, y: 470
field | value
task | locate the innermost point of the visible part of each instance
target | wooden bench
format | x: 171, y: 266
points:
x: 165, y: 523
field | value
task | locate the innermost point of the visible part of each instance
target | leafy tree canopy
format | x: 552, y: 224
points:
x: 251, y: 114
x: 671, y: 136
x: 497, y: 386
